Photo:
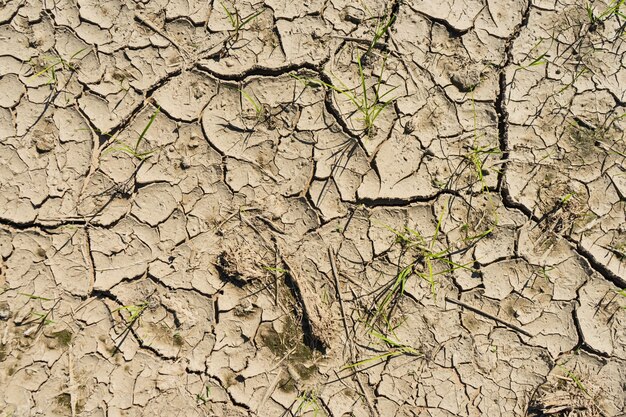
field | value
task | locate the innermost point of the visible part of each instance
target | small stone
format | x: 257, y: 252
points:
x: 466, y: 80
x: 5, y: 311
x: 44, y: 143
x: 353, y: 15
x: 194, y: 142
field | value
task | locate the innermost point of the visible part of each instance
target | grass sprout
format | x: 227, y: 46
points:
x: 238, y: 22
x: 613, y: 9
x: 394, y: 348
x: 368, y: 104
x: 575, y: 379
x: 381, y: 30
x: 258, y: 107
x: 134, y: 311
x: 477, y: 157
x: 34, y: 297
x: 308, y: 402
x: 50, y: 66
x: 204, y: 396
x: 426, y: 264
x: 134, y: 150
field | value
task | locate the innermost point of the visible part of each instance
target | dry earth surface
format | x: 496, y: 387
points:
x: 318, y: 207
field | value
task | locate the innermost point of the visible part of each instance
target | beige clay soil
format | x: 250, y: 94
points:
x: 193, y: 222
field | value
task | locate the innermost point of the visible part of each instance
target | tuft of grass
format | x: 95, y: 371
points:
x: 134, y: 150
x: 394, y: 348
x: 237, y: 22
x: 612, y: 10
x: 369, y: 105
x: 204, y: 396
x: 34, y: 297
x: 308, y: 402
x: 134, y: 311
x: 382, y: 27
x: 477, y: 158
x: 426, y: 258
x: 575, y: 379
x: 50, y: 65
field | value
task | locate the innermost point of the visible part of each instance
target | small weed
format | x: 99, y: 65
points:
x: 43, y: 317
x: 34, y: 297
x: 394, y: 348
x: 567, y: 197
x: 134, y: 311
x: 382, y: 27
x: 279, y: 270
x: 575, y: 379
x: 50, y: 65
x: 612, y: 10
x: 370, y: 107
x: 204, y: 396
x: 537, y: 61
x: 423, y: 266
x: 258, y: 107
x: 477, y: 157
x: 237, y: 23
x: 308, y: 401
x: 134, y: 150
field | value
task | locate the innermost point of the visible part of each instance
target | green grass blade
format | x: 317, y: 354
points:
x: 145, y: 129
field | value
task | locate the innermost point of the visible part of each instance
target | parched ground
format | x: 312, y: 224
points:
x: 319, y: 207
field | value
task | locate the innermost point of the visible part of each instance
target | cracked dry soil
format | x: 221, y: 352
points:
x: 196, y: 219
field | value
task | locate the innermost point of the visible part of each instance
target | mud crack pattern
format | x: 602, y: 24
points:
x: 326, y: 207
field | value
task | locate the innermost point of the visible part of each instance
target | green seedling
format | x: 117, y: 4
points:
x: 203, y: 397
x: 477, y: 237
x: 612, y: 10
x: 258, y: 107
x: 576, y: 76
x: 382, y: 27
x: 575, y: 379
x: 34, y: 297
x: 55, y: 63
x: 477, y: 158
x: 238, y: 22
x: 369, y: 105
x: 134, y: 150
x: 308, y: 401
x: 43, y: 317
x: 539, y: 60
x: 567, y: 198
x: 426, y: 258
x: 134, y: 311
x: 394, y: 349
